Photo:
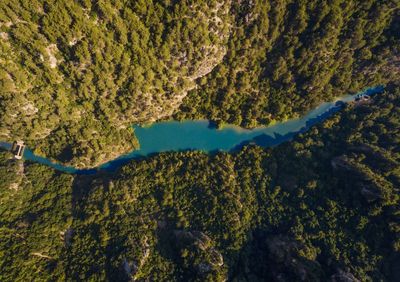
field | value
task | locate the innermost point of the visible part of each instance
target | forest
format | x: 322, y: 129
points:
x: 323, y: 207
x: 285, y: 57
x: 76, y: 74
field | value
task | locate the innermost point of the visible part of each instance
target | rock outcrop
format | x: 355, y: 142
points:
x: 77, y: 101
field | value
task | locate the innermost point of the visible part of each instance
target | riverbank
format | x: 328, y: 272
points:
x: 199, y: 135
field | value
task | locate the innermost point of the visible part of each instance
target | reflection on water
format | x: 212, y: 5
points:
x: 201, y: 135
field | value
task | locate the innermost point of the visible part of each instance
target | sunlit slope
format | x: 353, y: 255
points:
x: 75, y: 75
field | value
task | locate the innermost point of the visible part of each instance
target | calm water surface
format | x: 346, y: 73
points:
x: 199, y: 135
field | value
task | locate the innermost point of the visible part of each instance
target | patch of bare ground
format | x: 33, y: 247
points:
x: 391, y: 66
x: 51, y: 51
x: 29, y: 109
x: 4, y: 35
x: 20, y: 175
x: 156, y: 107
x: 37, y: 254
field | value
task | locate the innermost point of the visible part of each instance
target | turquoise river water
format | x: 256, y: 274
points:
x: 201, y: 135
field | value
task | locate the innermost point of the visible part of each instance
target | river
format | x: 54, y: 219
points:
x: 200, y: 135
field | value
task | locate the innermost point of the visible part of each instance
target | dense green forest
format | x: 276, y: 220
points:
x: 324, y: 207
x: 75, y: 74
x: 285, y: 57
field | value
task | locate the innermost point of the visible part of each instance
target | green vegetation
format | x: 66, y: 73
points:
x: 74, y: 75
x: 35, y: 208
x: 285, y: 57
x: 323, y: 207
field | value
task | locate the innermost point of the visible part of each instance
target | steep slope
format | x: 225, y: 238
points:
x: 324, y: 207
x: 285, y: 57
x: 75, y: 75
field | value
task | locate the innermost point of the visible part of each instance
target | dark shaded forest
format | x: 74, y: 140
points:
x: 323, y: 207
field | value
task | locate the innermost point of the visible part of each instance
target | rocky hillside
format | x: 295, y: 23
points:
x: 285, y: 57
x: 75, y: 75
x: 324, y: 207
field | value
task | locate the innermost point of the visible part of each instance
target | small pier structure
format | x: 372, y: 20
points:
x: 18, y: 148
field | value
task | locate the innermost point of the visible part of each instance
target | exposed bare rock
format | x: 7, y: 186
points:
x: 132, y: 268
x: 74, y: 40
x: 19, y: 172
x: 129, y: 267
x: 343, y: 276
x: 370, y: 192
x: 156, y: 107
x: 29, y: 109
x: 216, y: 258
x: 150, y: 88
x: 211, y: 257
x: 4, y: 35
x: 51, y: 51
x: 66, y: 236
x: 41, y: 255
x: 201, y: 240
x: 283, y: 254
x: 372, y: 186
x: 280, y: 248
x: 340, y: 163
x: 376, y: 153
x: 391, y: 68
x: 7, y: 24
x: 204, y: 268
